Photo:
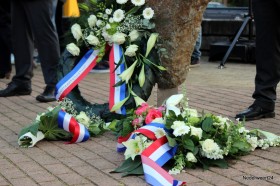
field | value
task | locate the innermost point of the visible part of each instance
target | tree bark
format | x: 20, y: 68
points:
x: 178, y: 23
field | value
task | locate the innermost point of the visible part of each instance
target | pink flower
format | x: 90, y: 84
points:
x: 137, y: 122
x: 152, y: 114
x: 143, y: 108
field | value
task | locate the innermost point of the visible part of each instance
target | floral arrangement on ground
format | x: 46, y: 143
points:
x: 197, y: 140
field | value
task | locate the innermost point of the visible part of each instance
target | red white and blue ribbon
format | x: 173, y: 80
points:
x: 68, y: 123
x: 117, y: 93
x: 155, y: 156
x: 67, y: 83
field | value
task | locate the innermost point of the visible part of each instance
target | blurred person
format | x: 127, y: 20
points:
x: 195, y: 58
x: 5, y: 40
x: 32, y: 21
x: 267, y: 60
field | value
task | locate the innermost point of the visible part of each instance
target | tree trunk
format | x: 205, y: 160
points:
x: 178, y: 24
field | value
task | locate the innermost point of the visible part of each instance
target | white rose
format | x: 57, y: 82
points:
x: 92, y: 21
x: 92, y: 40
x: 76, y: 31
x: 73, y: 49
x: 118, y: 38
x: 191, y: 158
x: 196, y: 132
x: 209, y: 146
x: 131, y: 50
x: 134, y: 34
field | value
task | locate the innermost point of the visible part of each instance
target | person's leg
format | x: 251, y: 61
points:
x: 5, y: 52
x: 267, y: 52
x: 40, y: 14
x: 22, y: 43
x: 267, y: 60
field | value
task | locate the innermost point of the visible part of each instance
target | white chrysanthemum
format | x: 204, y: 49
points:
x: 76, y: 31
x: 93, y: 40
x: 92, y: 21
x: 148, y: 13
x: 211, y: 150
x: 134, y: 34
x: 159, y: 132
x: 191, y: 158
x: 131, y: 50
x: 121, y: 1
x: 138, y: 2
x: 118, y: 15
x: 180, y: 128
x: 118, y: 38
x: 196, y: 132
x: 73, y: 49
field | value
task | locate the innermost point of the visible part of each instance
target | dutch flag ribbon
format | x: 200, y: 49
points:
x: 67, y: 83
x: 155, y: 156
x: 69, y: 124
x: 117, y: 93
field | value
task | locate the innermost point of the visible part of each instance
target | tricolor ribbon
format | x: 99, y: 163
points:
x: 88, y: 61
x: 67, y: 83
x: 117, y: 93
x: 155, y: 156
x: 68, y: 123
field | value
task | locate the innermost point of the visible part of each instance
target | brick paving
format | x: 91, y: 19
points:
x: 223, y: 92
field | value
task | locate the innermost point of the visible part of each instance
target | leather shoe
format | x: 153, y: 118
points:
x: 47, y: 95
x: 16, y: 89
x: 255, y: 112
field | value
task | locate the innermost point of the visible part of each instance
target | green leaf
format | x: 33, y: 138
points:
x: 112, y: 125
x: 242, y: 145
x: 171, y: 141
x: 188, y: 144
x: 207, y: 124
x: 128, y: 165
x: 219, y: 162
x: 33, y: 128
x: 137, y: 171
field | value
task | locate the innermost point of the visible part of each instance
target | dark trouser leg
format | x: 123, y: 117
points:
x: 5, y: 50
x: 267, y: 77
x: 40, y: 14
x: 22, y: 43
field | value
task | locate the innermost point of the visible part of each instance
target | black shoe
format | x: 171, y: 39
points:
x: 47, y: 95
x: 5, y: 75
x: 194, y: 63
x: 255, y: 112
x: 16, y: 89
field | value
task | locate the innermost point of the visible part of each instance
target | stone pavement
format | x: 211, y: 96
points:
x: 223, y: 92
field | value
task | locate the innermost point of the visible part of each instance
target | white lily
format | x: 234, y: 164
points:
x: 126, y: 75
x: 151, y: 43
x: 171, y: 103
x: 142, y: 77
x: 30, y: 137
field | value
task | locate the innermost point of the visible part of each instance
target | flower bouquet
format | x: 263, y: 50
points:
x: 121, y: 32
x: 177, y: 134
x: 51, y: 125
